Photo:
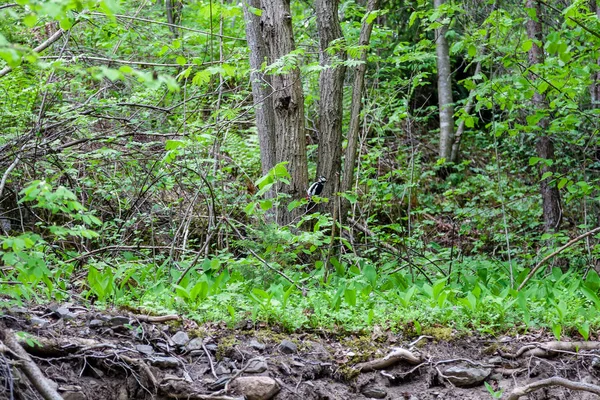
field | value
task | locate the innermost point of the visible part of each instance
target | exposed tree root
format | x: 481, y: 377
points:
x: 29, y: 368
x: 551, y: 348
x: 554, y: 381
x: 392, y: 358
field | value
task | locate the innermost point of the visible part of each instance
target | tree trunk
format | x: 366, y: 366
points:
x: 595, y: 87
x: 544, y: 146
x: 357, y: 93
x: 444, y: 89
x: 288, y: 104
x: 331, y: 85
x: 261, y: 87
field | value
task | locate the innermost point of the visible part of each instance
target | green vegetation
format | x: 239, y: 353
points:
x: 131, y: 170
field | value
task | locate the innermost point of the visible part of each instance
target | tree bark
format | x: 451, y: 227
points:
x: 331, y: 85
x: 544, y: 145
x: 355, y: 108
x: 446, y: 104
x: 261, y: 87
x: 288, y: 104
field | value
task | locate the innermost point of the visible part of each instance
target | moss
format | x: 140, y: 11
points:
x: 440, y: 333
x: 226, y: 346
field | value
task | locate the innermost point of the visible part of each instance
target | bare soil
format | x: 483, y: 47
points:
x: 117, y: 354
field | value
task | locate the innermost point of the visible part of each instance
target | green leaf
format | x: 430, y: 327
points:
x: 546, y: 175
x: 266, y: 204
x: 180, y: 60
x: 30, y: 20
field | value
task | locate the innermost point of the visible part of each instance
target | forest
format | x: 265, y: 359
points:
x: 325, y: 199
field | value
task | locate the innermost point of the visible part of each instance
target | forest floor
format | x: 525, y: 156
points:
x: 120, y: 354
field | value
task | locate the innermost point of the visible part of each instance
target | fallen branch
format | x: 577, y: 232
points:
x: 29, y: 368
x: 560, y: 250
x: 392, y: 358
x: 554, y: 381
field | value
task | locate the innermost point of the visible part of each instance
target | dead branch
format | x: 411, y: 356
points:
x: 560, y: 250
x: 554, y: 381
x: 392, y: 358
x: 29, y: 368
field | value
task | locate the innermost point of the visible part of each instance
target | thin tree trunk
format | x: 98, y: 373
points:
x: 544, y: 145
x: 357, y: 94
x: 261, y: 87
x: 331, y: 85
x: 461, y: 126
x: 446, y: 104
x: 595, y: 87
x: 288, y: 104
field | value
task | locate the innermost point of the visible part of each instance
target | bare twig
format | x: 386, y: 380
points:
x: 560, y: 250
x: 210, y: 361
x: 122, y: 248
x: 554, y: 381
x: 152, y: 21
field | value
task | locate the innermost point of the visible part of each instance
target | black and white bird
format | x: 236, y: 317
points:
x: 314, y: 190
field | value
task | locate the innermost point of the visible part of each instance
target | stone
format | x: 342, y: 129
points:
x: 145, y: 349
x: 39, y: 322
x: 73, y: 396
x: 96, y: 323
x: 222, y: 370
x: 374, y: 392
x: 256, y: 345
x: 257, y: 366
x: 194, y: 344
x: 464, y: 376
x: 180, y: 338
x: 165, y: 362
x: 496, y: 360
x: 119, y: 320
x: 256, y: 387
x: 64, y: 313
x: 288, y: 347
x: 211, y: 347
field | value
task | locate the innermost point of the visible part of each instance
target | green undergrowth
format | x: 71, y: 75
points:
x: 349, y: 298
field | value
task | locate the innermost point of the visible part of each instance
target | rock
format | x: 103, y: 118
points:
x: 288, y: 347
x: 463, y: 376
x: 73, y: 396
x: 119, y: 320
x: 256, y: 345
x: 39, y: 322
x: 256, y: 387
x: 64, y: 313
x: 596, y: 362
x: 96, y: 323
x: 144, y: 349
x: 211, y: 347
x: 496, y: 360
x: 180, y: 338
x: 165, y: 362
x: 222, y: 370
x: 194, y: 344
x: 374, y: 392
x: 257, y: 366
